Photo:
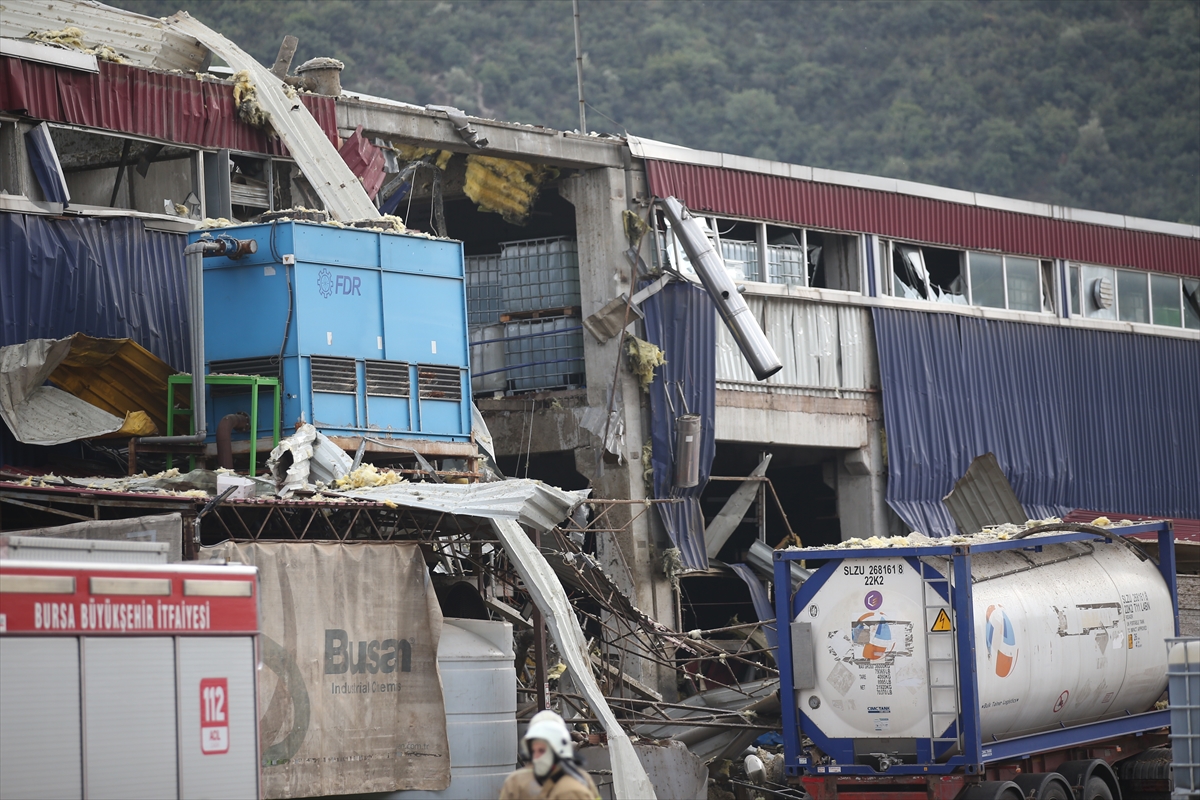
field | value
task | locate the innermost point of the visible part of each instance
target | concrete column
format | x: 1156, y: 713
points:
x: 862, y: 489
x: 633, y: 557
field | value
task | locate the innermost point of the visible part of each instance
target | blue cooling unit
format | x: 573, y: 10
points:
x: 367, y: 330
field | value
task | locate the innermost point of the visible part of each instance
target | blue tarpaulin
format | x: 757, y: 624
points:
x: 1077, y: 417
x: 43, y: 158
x: 104, y: 277
x: 682, y: 321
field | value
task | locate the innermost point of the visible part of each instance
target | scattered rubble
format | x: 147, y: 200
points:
x: 990, y: 533
x: 367, y: 475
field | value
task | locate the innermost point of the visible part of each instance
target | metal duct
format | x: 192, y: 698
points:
x: 730, y: 305
x: 687, y: 451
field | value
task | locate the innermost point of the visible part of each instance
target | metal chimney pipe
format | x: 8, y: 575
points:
x: 730, y: 305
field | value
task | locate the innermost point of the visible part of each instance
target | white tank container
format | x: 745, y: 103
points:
x: 479, y: 684
x: 1066, y: 636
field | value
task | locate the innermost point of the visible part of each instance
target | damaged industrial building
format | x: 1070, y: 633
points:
x: 570, y: 393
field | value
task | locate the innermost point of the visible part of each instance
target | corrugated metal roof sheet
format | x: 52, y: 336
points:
x: 1077, y: 418
x: 340, y: 191
x: 103, y: 277
x: 983, y: 496
x: 159, y: 105
x: 117, y: 375
x: 529, y: 502
x: 849, y: 208
x: 144, y: 41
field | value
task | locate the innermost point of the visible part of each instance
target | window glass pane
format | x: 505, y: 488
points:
x: 1164, y: 296
x: 987, y: 280
x: 1076, y: 308
x: 1191, y: 303
x: 1133, y: 301
x: 1049, y: 301
x: 1024, y: 291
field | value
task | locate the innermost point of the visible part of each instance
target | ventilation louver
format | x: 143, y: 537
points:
x: 330, y: 374
x: 387, y: 378
x: 439, y: 383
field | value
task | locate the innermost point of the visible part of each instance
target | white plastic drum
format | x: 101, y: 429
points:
x: 1070, y: 635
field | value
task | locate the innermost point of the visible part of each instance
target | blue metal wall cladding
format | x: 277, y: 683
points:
x: 102, y: 277
x: 1077, y: 418
x: 682, y: 321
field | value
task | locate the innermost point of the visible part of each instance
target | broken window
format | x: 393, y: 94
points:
x: 1191, y: 303
x: 927, y: 273
x: 125, y: 172
x: 833, y: 261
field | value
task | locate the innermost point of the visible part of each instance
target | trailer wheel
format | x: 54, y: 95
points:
x: 1092, y: 780
x: 993, y: 790
x: 1096, y: 789
x: 1045, y: 786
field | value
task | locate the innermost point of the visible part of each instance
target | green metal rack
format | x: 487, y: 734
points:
x: 253, y: 381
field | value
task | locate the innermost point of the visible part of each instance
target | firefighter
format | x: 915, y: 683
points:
x: 554, y: 772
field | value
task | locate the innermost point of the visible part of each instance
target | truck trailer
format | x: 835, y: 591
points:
x: 128, y: 680
x: 1000, y: 666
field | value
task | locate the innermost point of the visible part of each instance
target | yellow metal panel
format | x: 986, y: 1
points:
x: 119, y: 376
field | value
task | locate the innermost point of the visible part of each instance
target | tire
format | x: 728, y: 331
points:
x: 1096, y: 789
x: 1045, y: 786
x: 994, y: 790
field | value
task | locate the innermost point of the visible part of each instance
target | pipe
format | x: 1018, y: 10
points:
x: 687, y: 451
x: 237, y: 421
x: 733, y: 309
x: 193, y: 257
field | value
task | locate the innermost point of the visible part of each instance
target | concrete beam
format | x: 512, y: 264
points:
x: 799, y: 420
x: 505, y: 139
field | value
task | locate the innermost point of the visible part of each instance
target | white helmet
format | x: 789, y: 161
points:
x: 550, y: 728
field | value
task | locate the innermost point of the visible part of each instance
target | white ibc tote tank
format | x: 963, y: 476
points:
x: 479, y: 684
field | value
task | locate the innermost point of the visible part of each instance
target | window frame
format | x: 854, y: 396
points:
x: 1075, y: 270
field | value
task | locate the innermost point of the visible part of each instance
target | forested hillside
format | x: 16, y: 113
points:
x: 1093, y: 104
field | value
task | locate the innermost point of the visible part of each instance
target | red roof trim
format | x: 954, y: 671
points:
x: 822, y: 205
x: 141, y: 102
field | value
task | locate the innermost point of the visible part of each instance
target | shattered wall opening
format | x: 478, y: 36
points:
x: 922, y: 272
x: 523, y: 295
x: 802, y: 478
x: 124, y: 172
x: 557, y: 468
